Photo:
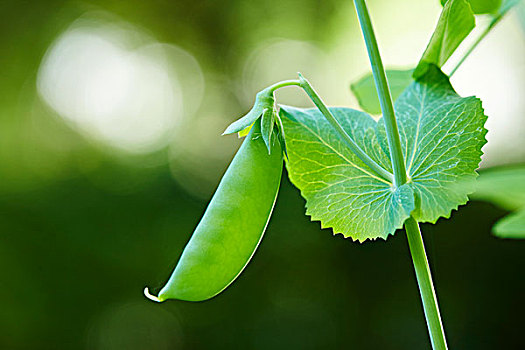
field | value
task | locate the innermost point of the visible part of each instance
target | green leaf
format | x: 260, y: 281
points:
x: 504, y: 187
x: 482, y: 6
x: 511, y: 226
x: 365, y: 90
x: 281, y: 136
x: 267, y: 125
x: 441, y: 133
x: 454, y: 24
x: 340, y: 190
x: 264, y: 99
x: 494, y: 7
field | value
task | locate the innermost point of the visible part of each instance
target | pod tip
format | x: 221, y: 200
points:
x: 150, y: 296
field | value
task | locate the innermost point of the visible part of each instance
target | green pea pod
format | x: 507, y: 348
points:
x: 232, y: 226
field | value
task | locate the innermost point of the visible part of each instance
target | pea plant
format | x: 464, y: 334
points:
x: 362, y: 178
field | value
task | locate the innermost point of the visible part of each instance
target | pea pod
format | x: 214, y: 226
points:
x: 232, y: 226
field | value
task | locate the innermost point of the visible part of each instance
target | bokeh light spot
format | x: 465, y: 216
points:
x: 116, y: 85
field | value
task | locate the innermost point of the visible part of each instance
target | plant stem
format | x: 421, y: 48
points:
x: 487, y: 30
x: 354, y: 147
x: 426, y: 287
x: 385, y: 99
x: 284, y: 83
x: 415, y: 240
x: 495, y: 20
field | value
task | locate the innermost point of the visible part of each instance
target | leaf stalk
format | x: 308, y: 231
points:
x: 283, y: 83
x: 354, y: 147
x: 495, y: 20
x: 482, y: 36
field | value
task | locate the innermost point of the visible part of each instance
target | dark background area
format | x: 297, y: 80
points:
x: 84, y: 227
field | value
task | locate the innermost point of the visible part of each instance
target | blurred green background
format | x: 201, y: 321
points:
x: 110, y: 121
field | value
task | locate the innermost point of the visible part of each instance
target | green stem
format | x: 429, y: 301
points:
x: 385, y: 99
x: 415, y: 240
x: 283, y: 83
x: 354, y: 147
x: 426, y: 287
x: 497, y: 18
x: 487, y: 30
